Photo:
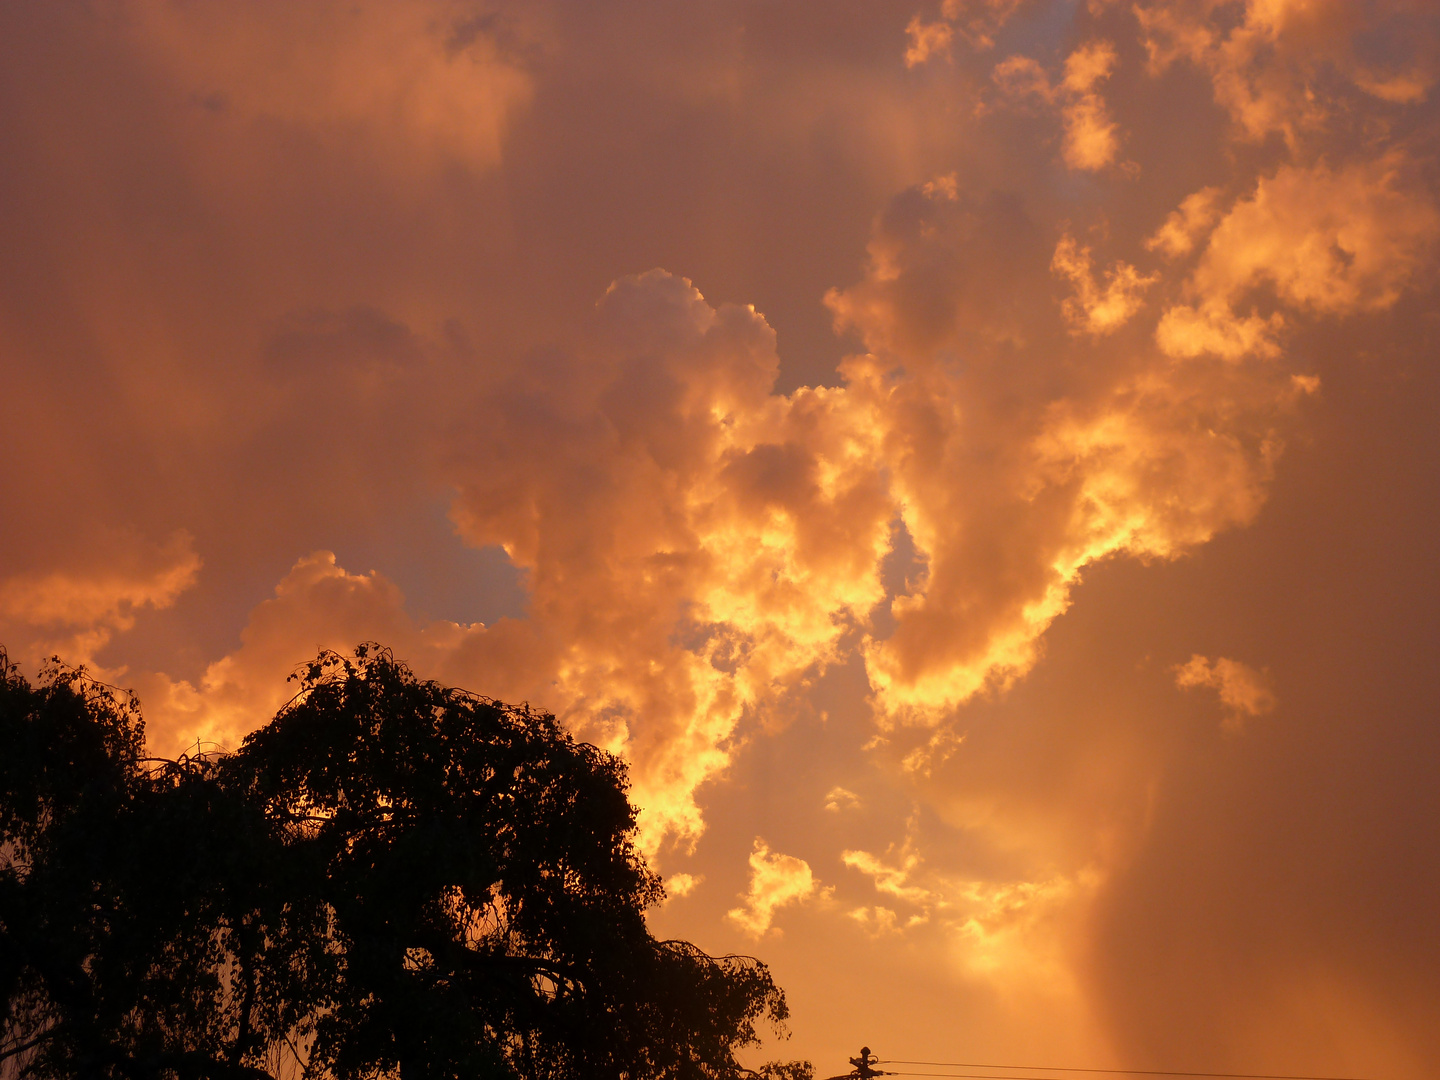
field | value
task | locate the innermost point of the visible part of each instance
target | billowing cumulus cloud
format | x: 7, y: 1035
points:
x: 695, y: 546
x: 1113, y: 458
x: 859, y: 416
x: 776, y: 881
x: 317, y: 605
x: 1321, y: 241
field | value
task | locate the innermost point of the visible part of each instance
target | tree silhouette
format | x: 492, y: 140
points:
x: 391, y: 878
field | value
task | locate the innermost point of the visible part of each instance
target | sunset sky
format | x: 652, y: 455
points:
x: 978, y: 461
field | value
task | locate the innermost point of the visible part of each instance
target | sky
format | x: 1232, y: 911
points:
x: 977, y: 461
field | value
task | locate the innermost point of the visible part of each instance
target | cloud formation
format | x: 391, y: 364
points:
x: 435, y: 80
x: 317, y: 605
x: 1244, y: 692
x: 1323, y: 242
x: 854, y: 414
x: 1093, y: 309
x: 1264, y: 65
x: 776, y: 881
x: 1011, y: 931
x: 699, y: 548
x: 1091, y: 139
x: 75, y: 612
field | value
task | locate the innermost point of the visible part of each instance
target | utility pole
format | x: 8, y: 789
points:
x: 864, y: 1067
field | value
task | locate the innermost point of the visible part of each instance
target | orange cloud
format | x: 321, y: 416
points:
x: 1114, y: 462
x: 699, y: 549
x: 1327, y: 241
x: 76, y: 612
x: 926, y: 40
x: 1012, y: 932
x: 433, y: 78
x: 776, y: 881
x: 1091, y: 136
x: 977, y: 21
x: 1093, y: 309
x: 1265, y: 65
x: 317, y: 605
x: 1194, y: 218
x: 1244, y: 691
x: 681, y: 885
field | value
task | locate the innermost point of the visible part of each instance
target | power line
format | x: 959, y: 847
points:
x: 1142, y: 1072
x: 1021, y: 1076
x: 991, y: 1076
x: 1071, y: 1069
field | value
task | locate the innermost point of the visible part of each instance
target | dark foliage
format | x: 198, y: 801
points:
x: 391, y: 878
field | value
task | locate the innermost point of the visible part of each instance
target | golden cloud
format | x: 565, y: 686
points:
x: 697, y: 547
x: 1095, y: 309
x: 1326, y: 241
x: 776, y: 881
x: 1007, y: 931
x: 927, y: 40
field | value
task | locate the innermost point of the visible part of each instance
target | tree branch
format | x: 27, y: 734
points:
x: 11, y: 1051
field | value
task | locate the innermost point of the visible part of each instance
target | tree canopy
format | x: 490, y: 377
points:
x: 390, y: 878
